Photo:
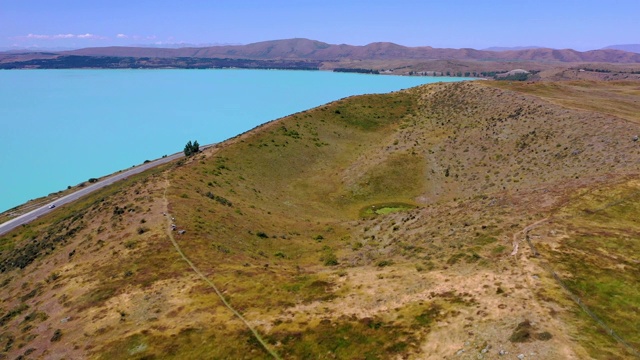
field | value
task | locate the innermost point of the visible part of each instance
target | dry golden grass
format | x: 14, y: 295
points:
x: 617, y: 98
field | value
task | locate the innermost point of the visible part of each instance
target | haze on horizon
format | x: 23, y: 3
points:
x: 580, y: 25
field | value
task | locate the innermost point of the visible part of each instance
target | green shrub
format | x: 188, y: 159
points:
x: 218, y: 198
x: 330, y: 259
x: 384, y: 263
x: 57, y: 335
x: 142, y: 229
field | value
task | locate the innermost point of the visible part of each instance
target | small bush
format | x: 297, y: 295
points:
x: 13, y: 313
x: 57, y: 335
x: 544, y: 336
x: 142, y: 229
x: 398, y: 347
x: 221, y: 248
x: 330, y: 259
x: 218, y: 198
x: 522, y: 333
x: 52, y: 277
x: 454, y: 258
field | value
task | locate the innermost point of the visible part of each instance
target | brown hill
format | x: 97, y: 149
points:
x: 462, y: 220
x: 316, y: 50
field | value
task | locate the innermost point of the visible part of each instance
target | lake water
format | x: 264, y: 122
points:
x: 62, y: 127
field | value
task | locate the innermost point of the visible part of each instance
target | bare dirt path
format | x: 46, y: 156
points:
x: 209, y: 282
x: 524, y: 233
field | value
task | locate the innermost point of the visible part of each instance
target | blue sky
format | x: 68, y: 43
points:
x: 581, y: 25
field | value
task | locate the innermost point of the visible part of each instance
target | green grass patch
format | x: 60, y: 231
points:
x: 499, y: 249
x: 367, y: 338
x: 188, y: 343
x: 483, y: 239
x: 600, y: 260
x: 385, y: 208
x: 96, y: 297
x: 309, y: 288
x: 371, y: 112
x: 400, y: 176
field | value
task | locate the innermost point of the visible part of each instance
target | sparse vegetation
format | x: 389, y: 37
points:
x: 218, y: 198
x: 431, y: 213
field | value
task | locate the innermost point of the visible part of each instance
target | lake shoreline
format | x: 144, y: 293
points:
x: 141, y: 115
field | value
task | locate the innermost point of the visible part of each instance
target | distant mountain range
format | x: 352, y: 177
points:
x: 635, y: 48
x: 299, y: 53
x: 304, y: 49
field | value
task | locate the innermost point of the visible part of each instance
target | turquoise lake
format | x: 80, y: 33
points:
x: 62, y: 127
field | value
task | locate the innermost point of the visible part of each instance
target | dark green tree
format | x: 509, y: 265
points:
x: 191, y: 148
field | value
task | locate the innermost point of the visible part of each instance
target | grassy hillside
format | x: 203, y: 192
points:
x: 449, y: 220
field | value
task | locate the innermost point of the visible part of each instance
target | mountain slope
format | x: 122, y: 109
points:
x: 377, y: 226
x: 508, y: 48
x: 626, y: 47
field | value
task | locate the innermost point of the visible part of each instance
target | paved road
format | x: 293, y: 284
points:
x: 34, y: 214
